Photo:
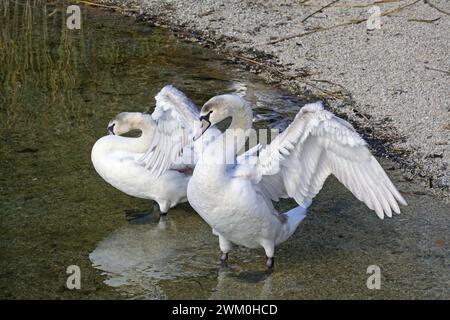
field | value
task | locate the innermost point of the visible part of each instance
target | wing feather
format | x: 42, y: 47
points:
x: 318, y: 144
x: 175, y: 116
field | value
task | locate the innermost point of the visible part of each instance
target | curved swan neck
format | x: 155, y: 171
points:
x: 223, y: 151
x: 140, y: 121
x: 242, y: 116
x: 136, y: 121
x: 237, y: 133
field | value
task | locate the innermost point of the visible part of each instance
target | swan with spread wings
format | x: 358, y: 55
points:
x: 234, y: 194
x: 158, y: 164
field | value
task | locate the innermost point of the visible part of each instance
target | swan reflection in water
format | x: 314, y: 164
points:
x: 155, y: 257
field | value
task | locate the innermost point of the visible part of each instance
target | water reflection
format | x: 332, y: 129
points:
x: 259, y: 283
x: 38, y: 65
x: 53, y: 73
x: 150, y: 250
x: 326, y: 258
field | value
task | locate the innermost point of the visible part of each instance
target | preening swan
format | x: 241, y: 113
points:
x: 142, y: 167
x: 234, y: 194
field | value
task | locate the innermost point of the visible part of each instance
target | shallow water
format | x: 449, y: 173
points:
x: 59, y: 90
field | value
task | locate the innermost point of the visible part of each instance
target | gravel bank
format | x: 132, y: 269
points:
x: 393, y: 82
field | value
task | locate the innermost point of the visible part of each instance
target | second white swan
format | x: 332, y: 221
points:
x: 158, y: 164
x: 234, y: 194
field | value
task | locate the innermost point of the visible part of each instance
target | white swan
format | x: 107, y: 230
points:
x: 236, y: 199
x: 142, y: 167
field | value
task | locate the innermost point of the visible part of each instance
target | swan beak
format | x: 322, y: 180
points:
x: 205, y: 124
x: 111, y: 129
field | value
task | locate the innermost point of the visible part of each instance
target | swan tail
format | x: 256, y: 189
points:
x: 296, y: 215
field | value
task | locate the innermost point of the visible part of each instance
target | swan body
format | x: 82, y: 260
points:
x: 126, y: 163
x: 114, y: 159
x: 234, y: 195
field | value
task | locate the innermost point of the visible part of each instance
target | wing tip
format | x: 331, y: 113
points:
x: 168, y: 87
x: 393, y: 210
x: 402, y: 201
x: 167, y: 91
x: 380, y: 214
x: 313, y: 107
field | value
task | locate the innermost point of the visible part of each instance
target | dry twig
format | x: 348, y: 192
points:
x: 435, y: 69
x: 354, y: 21
x: 324, y: 7
x: 425, y: 20
x: 437, y: 8
x: 94, y: 4
x: 336, y: 95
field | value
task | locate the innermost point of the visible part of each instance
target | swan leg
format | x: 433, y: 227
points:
x: 225, y: 247
x: 163, y: 207
x: 223, y: 258
x: 269, y: 248
x: 270, y: 263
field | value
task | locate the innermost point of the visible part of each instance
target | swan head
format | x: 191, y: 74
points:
x: 218, y: 108
x: 124, y: 122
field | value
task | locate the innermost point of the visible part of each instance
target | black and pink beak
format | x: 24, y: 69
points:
x: 111, y: 129
x: 204, y: 125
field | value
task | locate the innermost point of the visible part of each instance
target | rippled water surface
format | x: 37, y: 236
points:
x: 59, y: 89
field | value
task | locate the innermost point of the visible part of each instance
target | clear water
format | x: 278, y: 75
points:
x: 59, y: 89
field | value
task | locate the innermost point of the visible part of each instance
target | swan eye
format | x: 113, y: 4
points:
x: 206, y: 116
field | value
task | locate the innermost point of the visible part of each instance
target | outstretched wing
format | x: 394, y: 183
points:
x: 318, y: 144
x: 175, y: 116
